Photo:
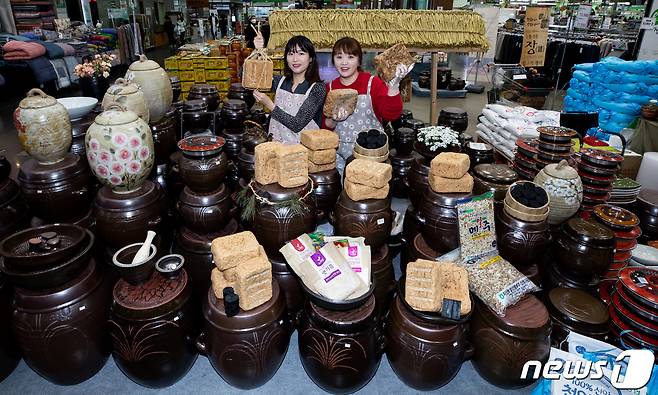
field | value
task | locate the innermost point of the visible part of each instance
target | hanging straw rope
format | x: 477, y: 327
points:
x: 381, y: 28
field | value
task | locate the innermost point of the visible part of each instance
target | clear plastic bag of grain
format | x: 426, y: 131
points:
x: 477, y: 231
x: 496, y: 282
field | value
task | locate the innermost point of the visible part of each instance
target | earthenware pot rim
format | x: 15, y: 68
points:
x: 561, y: 170
x: 201, y: 245
x: 147, y: 194
x: 593, y: 321
x: 325, y: 177
x: 116, y: 115
x: 573, y: 226
x: 276, y: 193
x: 421, y: 329
x: 71, y: 166
x: 355, y: 320
x: 363, y: 206
x: 535, y: 227
x: 648, y: 201
x: 195, y: 199
x: 246, y: 321
x: 203, y: 89
x: 337, y: 305
x: 542, y: 324
x: 66, y: 252
x: 194, y: 105
x: 201, y: 146
x: 153, y: 250
x: 234, y: 104
x: 450, y: 200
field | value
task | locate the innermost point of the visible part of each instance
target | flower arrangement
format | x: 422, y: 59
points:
x: 99, y: 66
x: 436, y: 137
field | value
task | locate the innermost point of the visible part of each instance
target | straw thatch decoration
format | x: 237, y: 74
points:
x: 380, y: 29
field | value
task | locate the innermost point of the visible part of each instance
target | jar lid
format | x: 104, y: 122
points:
x: 326, y: 177
x: 647, y: 200
x: 363, y: 206
x: 496, y: 173
x: 36, y: 98
x: 146, y: 195
x: 527, y: 319
x: 123, y: 87
x: 70, y: 167
x: 234, y: 104
x: 423, y: 249
x: 116, y: 115
x: 576, y: 306
x: 445, y: 199
x: 157, y: 291
x: 196, y: 199
x: 277, y: 193
x: 616, y: 217
x: 557, y: 131
x: 203, y: 89
x: 588, y: 231
x: 413, y: 123
x: 201, y: 145
x: 453, y: 112
x: 237, y: 87
x: 144, y: 64
x: 249, y: 320
x: 561, y: 170
x: 195, y: 105
x: 406, y: 133
x: 353, y: 320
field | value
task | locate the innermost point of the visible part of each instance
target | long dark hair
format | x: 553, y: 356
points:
x: 302, y: 43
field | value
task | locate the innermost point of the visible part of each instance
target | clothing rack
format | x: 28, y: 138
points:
x: 130, y: 42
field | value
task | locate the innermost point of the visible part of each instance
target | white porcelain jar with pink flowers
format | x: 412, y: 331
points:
x: 120, y: 149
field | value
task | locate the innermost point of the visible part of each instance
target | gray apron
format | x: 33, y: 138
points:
x: 290, y: 103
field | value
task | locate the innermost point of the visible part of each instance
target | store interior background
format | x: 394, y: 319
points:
x: 202, y: 379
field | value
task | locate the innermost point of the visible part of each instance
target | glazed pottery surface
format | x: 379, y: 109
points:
x: 289, y: 284
x: 128, y: 95
x: 418, y: 182
x: 205, y: 212
x: 585, y: 248
x: 326, y: 188
x: 521, y: 242
x: 502, y: 345
x: 454, y: 118
x: 423, y: 354
x: 495, y: 178
x: 441, y: 229
x: 401, y: 171
x: 246, y: 350
x: 565, y: 189
x: 14, y: 213
x: 9, y: 353
x: 123, y: 219
x: 154, y: 82
x: 44, y: 128
x: 153, y: 327
x: 165, y: 137
x: 383, y: 276
x: 57, y: 192
x: 371, y: 218
x: 234, y: 113
x: 237, y: 91
x: 62, y: 332
x: 340, y: 350
x: 203, y: 166
x: 246, y: 165
x: 207, y: 93
x: 274, y: 225
x: 120, y: 149
x: 574, y: 310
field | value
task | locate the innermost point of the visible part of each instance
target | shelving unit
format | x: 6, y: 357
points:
x: 29, y: 15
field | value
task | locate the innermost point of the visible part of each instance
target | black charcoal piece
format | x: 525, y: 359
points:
x: 231, y: 302
x: 451, y: 309
x: 373, y: 132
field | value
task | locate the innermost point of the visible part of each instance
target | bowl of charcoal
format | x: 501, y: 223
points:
x: 527, y: 201
x: 371, y: 144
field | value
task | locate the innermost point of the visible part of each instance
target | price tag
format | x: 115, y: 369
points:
x: 648, y: 23
x: 380, y: 221
x: 519, y: 77
x: 478, y: 146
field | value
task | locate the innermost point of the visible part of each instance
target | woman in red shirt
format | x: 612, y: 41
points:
x: 378, y: 101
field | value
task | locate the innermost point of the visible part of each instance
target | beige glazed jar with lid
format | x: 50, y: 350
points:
x: 565, y: 189
x: 154, y: 82
x: 133, y: 98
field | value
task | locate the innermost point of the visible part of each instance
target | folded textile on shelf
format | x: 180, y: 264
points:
x: 20, y: 50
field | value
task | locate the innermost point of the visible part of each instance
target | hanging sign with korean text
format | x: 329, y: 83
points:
x: 535, y: 37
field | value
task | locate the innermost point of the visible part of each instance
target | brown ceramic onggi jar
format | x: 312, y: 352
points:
x: 238, y: 92
x: 205, y: 212
x: 494, y: 178
x: 441, y: 229
x: 233, y: 145
x: 502, y: 345
x: 417, y: 249
x: 79, y: 131
x: 164, y: 138
x: 585, y: 248
x: 203, y: 165
x: 574, y: 310
x: 289, y: 285
x: 62, y: 331
x: 14, y: 213
x: 154, y: 326
x: 274, y: 225
x: 246, y: 164
x: 522, y: 243
x: 383, y: 276
x: 195, y: 117
x: 246, y: 350
x: 195, y: 249
x: 326, y: 188
x: 234, y: 113
x: 454, y: 118
x: 57, y: 192
x: 340, y: 350
x: 9, y: 355
x: 418, y: 182
x: 371, y: 218
x: 207, y: 93
x: 124, y: 218
x: 423, y: 354
x: 401, y: 171
x: 413, y: 221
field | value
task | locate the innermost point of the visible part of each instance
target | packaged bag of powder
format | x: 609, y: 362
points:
x: 330, y: 275
x: 356, y: 253
x: 297, y: 250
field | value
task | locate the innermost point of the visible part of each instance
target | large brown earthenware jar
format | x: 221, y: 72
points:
x: 9, y: 354
x: 123, y: 219
x: 646, y: 208
x: 246, y: 350
x: 574, y: 310
x: 441, y: 229
x: 164, y: 138
x: 205, y: 212
x: 62, y: 332
x: 401, y: 171
x: 57, y: 192
x: 203, y: 165
x: 494, y: 178
x: 246, y: 164
x: 454, y: 118
x: 327, y: 188
x: 521, y: 242
x: 418, y: 182
x: 274, y: 225
x: 195, y: 248
x: 371, y: 218
x: 14, y: 213
x: 207, y: 93
x: 233, y: 144
x: 585, y: 248
x: 413, y: 221
x: 289, y: 284
x: 195, y: 117
x: 154, y: 326
x: 340, y: 350
x: 237, y: 91
x: 234, y: 113
x: 417, y: 249
x: 383, y: 276
x: 423, y: 354
x: 504, y: 344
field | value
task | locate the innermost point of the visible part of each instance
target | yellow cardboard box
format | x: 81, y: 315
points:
x: 278, y: 63
x: 199, y: 75
x: 186, y: 86
x: 222, y: 85
x: 199, y: 63
x: 171, y: 63
x: 216, y: 75
x: 216, y: 62
x: 186, y: 63
x: 174, y: 73
x: 183, y: 96
x: 186, y: 75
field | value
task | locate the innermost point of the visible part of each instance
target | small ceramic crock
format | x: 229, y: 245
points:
x: 154, y: 82
x: 133, y: 98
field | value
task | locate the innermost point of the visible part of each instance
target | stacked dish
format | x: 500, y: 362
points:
x: 597, y: 170
x: 524, y: 158
x: 554, y: 145
x: 624, y: 191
